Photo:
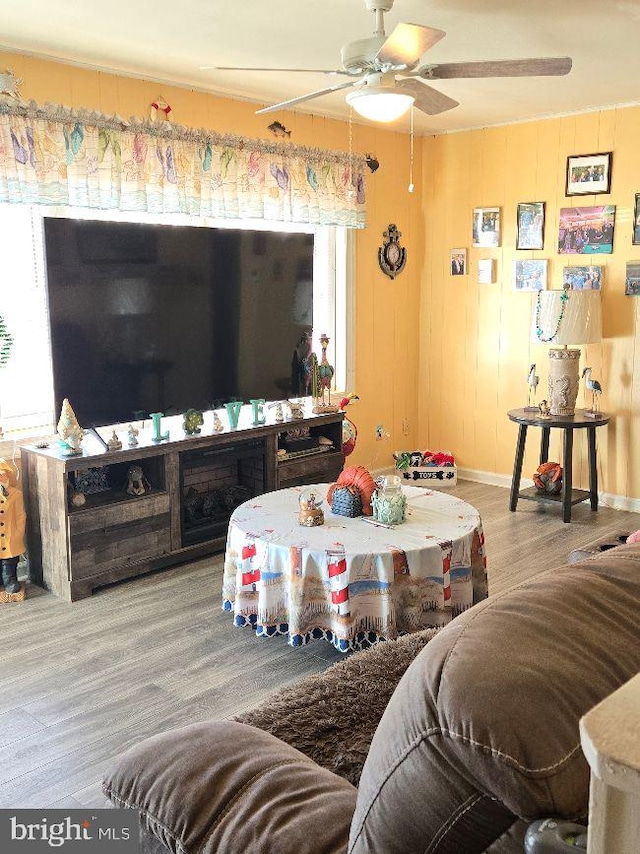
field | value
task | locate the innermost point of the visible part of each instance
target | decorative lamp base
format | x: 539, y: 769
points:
x: 564, y: 378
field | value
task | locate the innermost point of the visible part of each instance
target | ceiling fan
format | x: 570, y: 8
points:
x: 387, y: 79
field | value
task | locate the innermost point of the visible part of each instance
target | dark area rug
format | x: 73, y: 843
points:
x: 331, y: 716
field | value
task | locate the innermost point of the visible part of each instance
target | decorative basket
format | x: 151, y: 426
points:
x: 346, y: 501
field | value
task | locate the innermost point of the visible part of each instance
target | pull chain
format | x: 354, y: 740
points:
x: 411, y: 185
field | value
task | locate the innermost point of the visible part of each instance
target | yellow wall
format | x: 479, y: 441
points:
x: 386, y: 333
x: 440, y: 360
x: 475, y: 347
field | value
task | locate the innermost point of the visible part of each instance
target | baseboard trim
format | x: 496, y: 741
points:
x: 607, y: 499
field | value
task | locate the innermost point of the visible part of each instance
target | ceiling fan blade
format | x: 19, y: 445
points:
x: 292, y: 101
x: 406, y: 44
x: 427, y: 99
x: 544, y: 67
x: 287, y: 70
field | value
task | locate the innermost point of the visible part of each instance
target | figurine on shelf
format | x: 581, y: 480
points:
x: 322, y: 377
x: 532, y: 381
x: 193, y: 421
x: 132, y: 435
x: 114, y: 444
x: 137, y: 484
x: 596, y: 390
x: 545, y: 409
x: 70, y: 432
x: 218, y: 426
x: 13, y: 525
x: 296, y: 409
x: 548, y: 478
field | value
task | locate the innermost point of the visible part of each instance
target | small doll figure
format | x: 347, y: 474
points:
x: 132, y: 435
x: 114, y: 443
x: 217, y: 423
x: 12, y: 530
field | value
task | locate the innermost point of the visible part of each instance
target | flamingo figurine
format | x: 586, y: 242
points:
x: 595, y: 388
x: 532, y: 381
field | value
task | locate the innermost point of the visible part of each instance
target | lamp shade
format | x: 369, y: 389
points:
x: 567, y: 317
x: 379, y: 104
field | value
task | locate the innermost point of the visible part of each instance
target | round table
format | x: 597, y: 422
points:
x: 583, y: 419
x: 352, y: 581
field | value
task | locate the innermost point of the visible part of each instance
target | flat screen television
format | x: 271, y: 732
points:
x: 160, y: 318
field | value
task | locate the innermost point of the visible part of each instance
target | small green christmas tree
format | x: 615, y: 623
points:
x: 6, y: 342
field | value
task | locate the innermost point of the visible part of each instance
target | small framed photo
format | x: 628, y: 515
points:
x: 486, y: 271
x: 582, y: 278
x: 636, y: 221
x: 530, y: 222
x: 588, y: 174
x: 632, y: 279
x: 586, y: 231
x: 458, y: 262
x: 486, y: 227
x: 530, y: 275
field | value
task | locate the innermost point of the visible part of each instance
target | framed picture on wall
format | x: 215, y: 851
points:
x: 530, y: 225
x: 458, y: 260
x: 586, y: 231
x: 588, y: 174
x: 582, y: 278
x: 486, y: 227
x: 632, y: 279
x: 486, y: 271
x: 636, y: 221
x: 530, y: 275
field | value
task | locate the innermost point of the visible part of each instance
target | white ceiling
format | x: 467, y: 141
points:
x: 168, y: 41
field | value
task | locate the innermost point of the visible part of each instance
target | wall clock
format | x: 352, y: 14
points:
x: 391, y: 256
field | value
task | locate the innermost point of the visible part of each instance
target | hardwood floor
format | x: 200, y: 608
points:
x: 82, y: 682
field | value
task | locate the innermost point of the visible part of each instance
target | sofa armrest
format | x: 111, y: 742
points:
x: 484, y: 724
x: 224, y: 786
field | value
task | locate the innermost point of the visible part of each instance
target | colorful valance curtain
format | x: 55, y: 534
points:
x: 54, y: 155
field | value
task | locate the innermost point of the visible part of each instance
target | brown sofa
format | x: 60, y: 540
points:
x: 479, y: 738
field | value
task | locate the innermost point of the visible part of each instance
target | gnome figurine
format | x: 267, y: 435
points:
x: 69, y: 431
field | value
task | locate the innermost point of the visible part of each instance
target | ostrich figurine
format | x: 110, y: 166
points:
x: 532, y: 381
x: 595, y: 388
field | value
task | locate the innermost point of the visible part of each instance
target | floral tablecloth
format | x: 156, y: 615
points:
x: 352, y: 581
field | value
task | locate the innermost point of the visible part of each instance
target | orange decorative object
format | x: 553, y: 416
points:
x: 548, y: 477
x: 359, y: 478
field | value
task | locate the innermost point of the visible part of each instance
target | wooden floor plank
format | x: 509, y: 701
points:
x: 81, y: 682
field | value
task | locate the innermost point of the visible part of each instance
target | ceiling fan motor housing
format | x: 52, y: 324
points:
x: 378, y: 5
x: 360, y: 56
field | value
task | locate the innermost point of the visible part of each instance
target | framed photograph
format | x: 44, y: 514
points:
x: 588, y: 174
x: 486, y: 226
x: 582, y: 278
x: 632, y: 279
x: 530, y: 222
x: 530, y: 275
x: 586, y: 231
x: 636, y: 221
x: 486, y: 271
x: 458, y: 258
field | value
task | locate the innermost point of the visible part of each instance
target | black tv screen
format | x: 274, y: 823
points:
x: 160, y: 318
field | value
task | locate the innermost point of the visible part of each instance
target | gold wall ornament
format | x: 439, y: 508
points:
x: 391, y: 256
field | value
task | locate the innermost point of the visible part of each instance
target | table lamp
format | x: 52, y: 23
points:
x: 566, y: 317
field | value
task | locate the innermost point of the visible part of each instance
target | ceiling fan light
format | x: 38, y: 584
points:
x: 380, y: 106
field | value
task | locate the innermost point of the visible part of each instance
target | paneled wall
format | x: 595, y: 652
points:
x: 440, y: 360
x: 475, y: 347
x: 386, y: 328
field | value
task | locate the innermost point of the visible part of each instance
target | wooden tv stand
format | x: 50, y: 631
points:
x: 113, y: 535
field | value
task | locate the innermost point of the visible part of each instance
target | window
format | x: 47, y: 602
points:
x: 26, y: 381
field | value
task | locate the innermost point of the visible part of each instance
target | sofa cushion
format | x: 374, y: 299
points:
x: 224, y: 786
x: 485, y: 720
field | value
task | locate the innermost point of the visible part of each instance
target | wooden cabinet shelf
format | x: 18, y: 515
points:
x: 113, y: 535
